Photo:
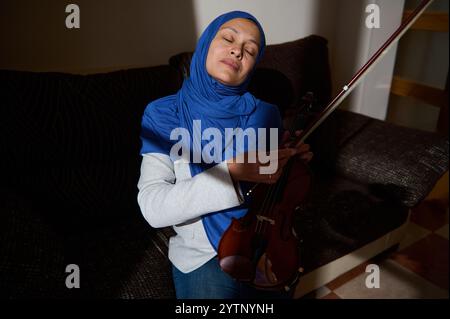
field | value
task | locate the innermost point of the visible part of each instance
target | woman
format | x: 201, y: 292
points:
x: 199, y: 199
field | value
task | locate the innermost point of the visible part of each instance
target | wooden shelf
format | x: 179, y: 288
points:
x: 430, y: 21
x: 422, y: 92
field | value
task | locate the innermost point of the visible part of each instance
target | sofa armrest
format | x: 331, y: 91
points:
x: 401, y: 162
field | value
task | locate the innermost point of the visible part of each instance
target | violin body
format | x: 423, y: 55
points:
x: 261, y: 248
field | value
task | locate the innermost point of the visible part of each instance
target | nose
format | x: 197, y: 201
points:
x: 237, y: 52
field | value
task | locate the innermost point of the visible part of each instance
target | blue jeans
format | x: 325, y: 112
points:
x: 210, y: 282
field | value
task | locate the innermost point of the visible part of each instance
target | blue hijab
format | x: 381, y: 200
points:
x: 216, y: 105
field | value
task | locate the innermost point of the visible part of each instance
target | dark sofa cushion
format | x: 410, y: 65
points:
x: 125, y: 260
x: 71, y: 142
x: 32, y: 261
x: 403, y: 162
x: 70, y: 147
x: 341, y: 216
x: 304, y: 66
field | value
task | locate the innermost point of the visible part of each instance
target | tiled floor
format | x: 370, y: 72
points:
x: 418, y: 269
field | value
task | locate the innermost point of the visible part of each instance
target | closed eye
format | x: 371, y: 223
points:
x: 249, y: 52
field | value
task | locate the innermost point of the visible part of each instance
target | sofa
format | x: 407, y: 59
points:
x: 70, y: 164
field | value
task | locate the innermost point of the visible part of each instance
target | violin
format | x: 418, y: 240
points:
x: 262, y: 248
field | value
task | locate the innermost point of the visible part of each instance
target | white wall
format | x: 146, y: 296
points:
x: 375, y: 90
x: 283, y: 20
x: 356, y: 44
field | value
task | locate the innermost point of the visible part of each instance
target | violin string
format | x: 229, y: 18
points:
x: 259, y: 222
x: 270, y: 200
x: 268, y: 204
x: 274, y: 195
x: 264, y: 206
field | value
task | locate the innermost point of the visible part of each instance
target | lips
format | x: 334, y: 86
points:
x: 231, y: 64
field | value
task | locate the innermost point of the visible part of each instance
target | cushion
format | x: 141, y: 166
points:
x: 303, y: 63
x: 124, y: 260
x: 341, y: 216
x: 73, y: 141
x: 32, y: 262
x: 403, y: 162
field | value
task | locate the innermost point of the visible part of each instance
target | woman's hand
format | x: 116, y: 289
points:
x: 302, y: 149
x: 244, y: 170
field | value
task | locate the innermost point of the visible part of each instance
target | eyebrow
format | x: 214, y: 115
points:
x: 233, y: 29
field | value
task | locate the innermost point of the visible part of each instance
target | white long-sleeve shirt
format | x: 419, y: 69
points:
x: 170, y: 196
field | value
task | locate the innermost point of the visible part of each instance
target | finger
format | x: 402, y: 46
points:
x: 297, y: 133
x: 268, y: 179
x: 303, y: 148
x: 307, y: 156
x: 285, y: 137
x: 273, y: 178
x: 300, y: 143
x: 281, y: 163
x: 286, y: 152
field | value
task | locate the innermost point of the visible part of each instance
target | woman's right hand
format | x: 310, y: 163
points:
x: 243, y: 170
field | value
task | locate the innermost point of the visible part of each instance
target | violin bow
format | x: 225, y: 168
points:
x: 364, y: 70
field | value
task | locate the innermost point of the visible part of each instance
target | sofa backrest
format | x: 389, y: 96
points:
x: 71, y: 142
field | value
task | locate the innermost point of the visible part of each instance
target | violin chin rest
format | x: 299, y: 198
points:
x: 239, y: 267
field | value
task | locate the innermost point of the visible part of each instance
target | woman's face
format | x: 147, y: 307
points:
x: 233, y: 51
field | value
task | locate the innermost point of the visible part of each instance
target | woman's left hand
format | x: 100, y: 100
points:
x: 303, y: 150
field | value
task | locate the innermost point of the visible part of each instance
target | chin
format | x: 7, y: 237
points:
x: 226, y: 80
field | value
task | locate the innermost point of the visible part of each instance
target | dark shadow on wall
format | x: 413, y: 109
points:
x: 113, y: 34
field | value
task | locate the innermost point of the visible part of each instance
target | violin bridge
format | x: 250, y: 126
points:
x: 264, y: 218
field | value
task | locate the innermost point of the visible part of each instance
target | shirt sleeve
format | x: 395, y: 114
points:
x: 164, y: 201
